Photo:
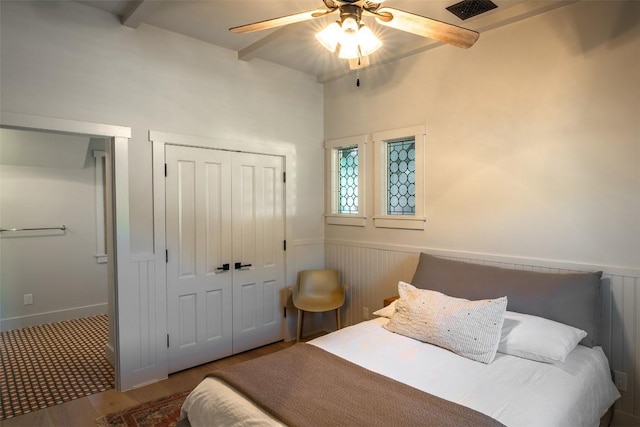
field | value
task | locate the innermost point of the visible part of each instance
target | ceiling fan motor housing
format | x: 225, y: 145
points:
x: 369, y: 6
x: 350, y: 11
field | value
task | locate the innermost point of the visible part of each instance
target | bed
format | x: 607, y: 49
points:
x: 538, y: 363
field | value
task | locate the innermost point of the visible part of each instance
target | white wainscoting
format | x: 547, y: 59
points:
x: 149, y: 358
x: 373, y: 270
x: 308, y: 255
x: 143, y: 277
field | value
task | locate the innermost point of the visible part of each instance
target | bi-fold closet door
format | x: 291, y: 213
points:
x: 225, y: 254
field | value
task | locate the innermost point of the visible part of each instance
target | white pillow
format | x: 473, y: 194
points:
x: 537, y: 338
x: 387, y: 311
x: 468, y: 328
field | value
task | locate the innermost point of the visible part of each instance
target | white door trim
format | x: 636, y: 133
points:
x: 117, y: 219
x: 159, y: 140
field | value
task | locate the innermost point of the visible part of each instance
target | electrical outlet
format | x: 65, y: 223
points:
x: 620, y: 379
x: 365, y: 313
x: 28, y: 299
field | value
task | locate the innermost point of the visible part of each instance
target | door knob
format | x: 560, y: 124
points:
x: 240, y: 265
x: 225, y: 267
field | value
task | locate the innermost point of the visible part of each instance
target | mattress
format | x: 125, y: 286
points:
x: 512, y: 390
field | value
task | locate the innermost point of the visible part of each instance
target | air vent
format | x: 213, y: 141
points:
x: 469, y: 8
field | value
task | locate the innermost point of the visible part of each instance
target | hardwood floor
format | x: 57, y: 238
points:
x: 84, y: 412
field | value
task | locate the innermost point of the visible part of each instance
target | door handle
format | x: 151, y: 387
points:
x: 225, y: 267
x: 239, y: 265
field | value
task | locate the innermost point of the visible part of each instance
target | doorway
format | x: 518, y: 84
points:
x: 116, y: 203
x: 53, y: 259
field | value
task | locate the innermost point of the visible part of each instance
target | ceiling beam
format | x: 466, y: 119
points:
x: 137, y: 12
x: 251, y: 51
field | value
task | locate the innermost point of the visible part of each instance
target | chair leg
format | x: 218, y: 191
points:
x: 338, y: 317
x: 300, y: 324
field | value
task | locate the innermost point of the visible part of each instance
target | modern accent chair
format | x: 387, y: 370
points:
x: 318, y: 291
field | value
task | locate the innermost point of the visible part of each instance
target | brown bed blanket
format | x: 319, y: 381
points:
x: 307, y: 386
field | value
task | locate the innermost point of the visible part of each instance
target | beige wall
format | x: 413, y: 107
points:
x: 533, y: 138
x: 532, y: 161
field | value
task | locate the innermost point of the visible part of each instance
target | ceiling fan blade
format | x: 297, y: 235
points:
x: 279, y: 22
x: 426, y: 27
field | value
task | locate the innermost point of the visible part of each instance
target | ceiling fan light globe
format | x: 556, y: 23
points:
x: 350, y: 25
x: 348, y: 45
x: 330, y: 36
x: 368, y: 42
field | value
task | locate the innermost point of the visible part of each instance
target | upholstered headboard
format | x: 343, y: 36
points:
x: 569, y: 298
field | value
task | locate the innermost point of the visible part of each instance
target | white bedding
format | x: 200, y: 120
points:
x: 517, y: 392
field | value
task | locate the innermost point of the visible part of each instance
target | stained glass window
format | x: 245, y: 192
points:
x: 348, y: 180
x: 401, y: 179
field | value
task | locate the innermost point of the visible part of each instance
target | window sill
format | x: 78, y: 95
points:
x: 409, y: 223
x: 352, y: 220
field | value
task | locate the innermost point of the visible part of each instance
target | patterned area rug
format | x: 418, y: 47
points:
x: 50, y: 364
x: 163, y: 412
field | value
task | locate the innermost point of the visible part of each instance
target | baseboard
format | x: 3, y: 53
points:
x: 622, y: 419
x: 51, y: 317
x: 110, y: 355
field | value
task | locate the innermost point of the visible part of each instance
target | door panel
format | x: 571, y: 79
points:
x: 186, y: 218
x: 188, y: 321
x: 215, y: 311
x: 199, y: 296
x: 248, y: 301
x: 271, y: 288
x: 217, y: 214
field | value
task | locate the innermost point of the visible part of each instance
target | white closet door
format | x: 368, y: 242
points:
x: 223, y: 208
x: 258, y: 240
x: 199, y: 290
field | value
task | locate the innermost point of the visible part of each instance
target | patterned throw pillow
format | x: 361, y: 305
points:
x: 468, y: 328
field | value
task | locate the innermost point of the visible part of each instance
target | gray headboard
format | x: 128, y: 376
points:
x: 569, y: 298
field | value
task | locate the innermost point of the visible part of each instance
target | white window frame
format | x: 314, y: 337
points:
x: 332, y: 216
x: 381, y: 218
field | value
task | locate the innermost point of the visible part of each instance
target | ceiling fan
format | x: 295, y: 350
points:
x: 354, y: 41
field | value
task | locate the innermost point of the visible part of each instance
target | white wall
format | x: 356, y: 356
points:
x: 532, y: 161
x: 67, y: 60
x: 58, y: 268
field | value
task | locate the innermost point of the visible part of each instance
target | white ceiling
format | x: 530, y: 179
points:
x: 294, y: 45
